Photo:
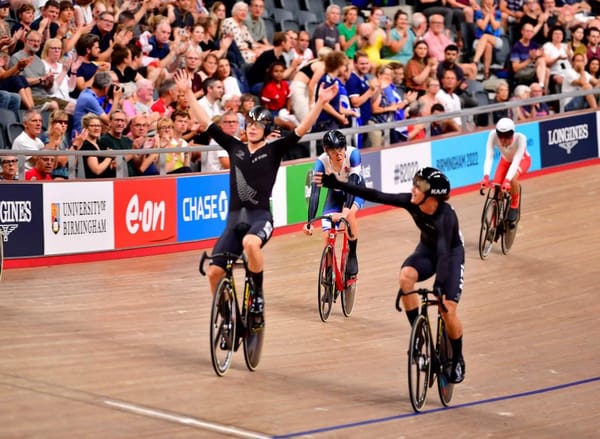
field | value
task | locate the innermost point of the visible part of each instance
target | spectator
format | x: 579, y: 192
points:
x: 247, y: 102
x: 256, y: 24
x: 191, y: 63
x: 46, y: 24
x: 275, y: 96
x: 387, y: 106
x: 42, y: 170
x: 447, y: 96
x: 122, y: 61
x: 167, y: 93
x: 326, y: 34
x: 593, y: 45
x: 436, y: 37
x: 236, y: 27
x: 176, y: 162
x: 114, y: 139
x: 14, y: 86
x: 502, y: 95
x: 10, y: 168
x: 464, y: 73
x: 29, y: 139
x: 400, y: 39
x: 576, y: 44
x: 95, y: 166
x: 63, y: 82
x: 230, y: 83
x: 144, y: 93
x: 429, y: 7
x: 361, y: 87
x: 524, y: 112
x: 25, y: 16
x: 144, y: 164
x: 209, y: 66
x: 538, y: 19
x: 576, y: 79
x: 210, y: 42
x: 83, y: 12
x: 180, y: 14
x: 430, y: 97
x: 540, y: 109
x: 527, y: 59
x: 211, y: 101
x: 219, y: 12
x: 347, y: 29
x: 444, y: 126
x: 301, y: 50
x: 373, y: 35
x: 488, y: 31
x: 69, y: 33
x: 420, y: 67
x: 303, y: 85
x: 56, y: 138
x: 213, y: 161
x: 88, y: 101
x: 556, y: 55
x: 418, y: 26
x: 593, y: 67
x: 88, y: 48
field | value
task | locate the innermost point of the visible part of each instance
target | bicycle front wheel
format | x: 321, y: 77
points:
x: 222, y: 327
x: 510, y: 233
x: 444, y: 350
x: 253, y: 342
x: 419, y: 363
x: 326, y: 286
x: 487, y: 232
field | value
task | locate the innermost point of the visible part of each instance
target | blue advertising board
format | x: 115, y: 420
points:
x: 22, y: 219
x: 568, y: 140
x: 202, y: 206
x: 460, y: 158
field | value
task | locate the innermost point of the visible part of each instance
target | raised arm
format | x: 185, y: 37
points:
x: 325, y: 95
x: 184, y: 83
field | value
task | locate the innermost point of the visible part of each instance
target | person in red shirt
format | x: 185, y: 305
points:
x: 275, y: 96
x: 44, y: 165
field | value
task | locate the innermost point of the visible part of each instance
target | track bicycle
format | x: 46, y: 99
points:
x: 428, y: 359
x: 231, y: 326
x: 494, y: 221
x: 332, y: 281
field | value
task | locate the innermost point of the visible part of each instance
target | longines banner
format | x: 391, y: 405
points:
x: 78, y: 217
x: 568, y: 140
x: 21, y: 220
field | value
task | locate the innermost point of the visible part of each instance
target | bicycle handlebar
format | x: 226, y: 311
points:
x: 232, y: 257
x: 423, y: 292
x: 330, y: 218
x: 492, y: 185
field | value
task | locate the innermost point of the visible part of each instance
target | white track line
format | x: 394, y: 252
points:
x: 185, y: 420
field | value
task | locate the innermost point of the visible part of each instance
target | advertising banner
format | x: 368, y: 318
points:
x: 299, y: 178
x: 399, y: 165
x: 278, y: 201
x: 461, y: 158
x: 568, y: 140
x: 21, y: 219
x: 78, y: 217
x: 202, y: 206
x: 145, y: 212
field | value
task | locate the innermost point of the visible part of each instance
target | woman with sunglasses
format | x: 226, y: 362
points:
x: 95, y: 166
x: 514, y: 161
x: 254, y: 165
x: 56, y: 138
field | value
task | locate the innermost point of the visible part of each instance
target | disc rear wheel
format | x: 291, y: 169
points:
x: 487, y: 232
x: 253, y: 342
x: 222, y: 327
x: 326, y: 286
x: 419, y: 363
x: 348, y: 297
x: 508, y: 238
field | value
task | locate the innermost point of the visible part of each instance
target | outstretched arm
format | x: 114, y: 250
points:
x: 184, y: 83
x: 398, y: 200
x: 325, y: 95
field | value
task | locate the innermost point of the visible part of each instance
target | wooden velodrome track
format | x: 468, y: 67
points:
x: 119, y: 349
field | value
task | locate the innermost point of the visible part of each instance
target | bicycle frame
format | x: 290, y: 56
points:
x: 494, y: 221
x: 340, y: 278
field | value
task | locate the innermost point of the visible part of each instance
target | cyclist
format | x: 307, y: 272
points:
x: 514, y: 162
x: 344, y: 162
x: 440, y: 250
x: 254, y: 166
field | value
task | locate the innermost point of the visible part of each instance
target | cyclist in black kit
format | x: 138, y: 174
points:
x: 252, y: 175
x: 440, y: 251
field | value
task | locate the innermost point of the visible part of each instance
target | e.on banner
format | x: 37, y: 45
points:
x: 145, y: 212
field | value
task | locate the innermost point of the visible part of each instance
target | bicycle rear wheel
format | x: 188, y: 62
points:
x: 348, y: 297
x: 326, y: 286
x: 510, y: 233
x: 222, y: 327
x: 253, y: 341
x: 487, y: 232
x: 419, y: 363
x: 1, y: 254
x: 444, y: 349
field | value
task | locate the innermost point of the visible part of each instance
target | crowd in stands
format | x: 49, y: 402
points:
x: 98, y: 75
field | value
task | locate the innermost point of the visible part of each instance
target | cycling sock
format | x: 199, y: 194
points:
x: 257, y: 279
x: 352, y: 265
x: 456, y: 348
x: 412, y: 315
x: 352, y: 248
x: 514, y: 202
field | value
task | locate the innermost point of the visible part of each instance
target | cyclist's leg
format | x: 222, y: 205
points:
x: 418, y: 267
x: 501, y: 171
x: 515, y: 190
x: 261, y: 229
x: 228, y: 242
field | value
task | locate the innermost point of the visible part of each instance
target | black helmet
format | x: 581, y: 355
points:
x: 263, y: 116
x: 433, y: 183
x: 333, y: 139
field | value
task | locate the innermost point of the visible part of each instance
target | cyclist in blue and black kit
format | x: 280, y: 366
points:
x: 345, y: 162
x: 440, y: 251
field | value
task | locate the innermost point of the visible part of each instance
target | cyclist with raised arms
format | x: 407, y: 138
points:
x: 254, y: 166
x: 440, y: 251
x: 345, y: 162
x: 514, y: 162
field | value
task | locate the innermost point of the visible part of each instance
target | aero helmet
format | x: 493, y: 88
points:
x: 262, y: 116
x: 505, y: 127
x: 333, y: 139
x: 433, y: 183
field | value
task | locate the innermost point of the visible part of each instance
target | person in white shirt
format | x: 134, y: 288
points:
x: 29, y: 138
x: 447, y: 96
x: 218, y: 160
x: 211, y: 101
x: 576, y: 78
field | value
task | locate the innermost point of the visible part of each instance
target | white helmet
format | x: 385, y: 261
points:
x: 505, y: 127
